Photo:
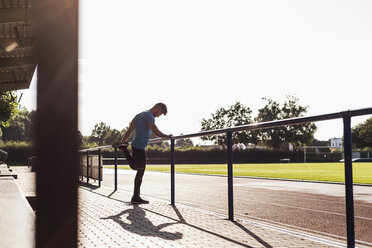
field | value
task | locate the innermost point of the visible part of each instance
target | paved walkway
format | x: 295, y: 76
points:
x: 302, y: 206
x: 107, y: 219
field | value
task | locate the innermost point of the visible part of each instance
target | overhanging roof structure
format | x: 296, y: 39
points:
x: 17, y: 28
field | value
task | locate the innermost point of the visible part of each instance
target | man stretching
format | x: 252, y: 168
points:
x: 143, y: 123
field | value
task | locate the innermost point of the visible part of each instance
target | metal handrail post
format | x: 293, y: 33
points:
x: 99, y: 168
x: 230, y: 175
x: 80, y: 175
x: 172, y: 173
x: 116, y: 168
x: 87, y: 166
x: 349, y: 183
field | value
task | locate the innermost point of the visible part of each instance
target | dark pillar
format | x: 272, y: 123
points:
x: 172, y: 173
x: 56, y: 137
x: 99, y: 167
x: 349, y: 183
x: 116, y: 170
x: 230, y: 176
x: 87, y: 167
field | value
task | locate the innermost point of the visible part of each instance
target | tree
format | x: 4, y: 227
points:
x: 99, y: 133
x: 102, y: 134
x: 184, y: 143
x: 86, y: 142
x: 235, y: 115
x: 362, y: 134
x: 162, y: 146
x: 8, y: 106
x: 356, y: 138
x: 295, y: 134
x: 112, y: 136
x: 19, y: 126
x: 80, y: 138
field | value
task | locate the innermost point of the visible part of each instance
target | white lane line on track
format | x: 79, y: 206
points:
x: 313, y: 199
x: 301, y: 208
x: 298, y: 234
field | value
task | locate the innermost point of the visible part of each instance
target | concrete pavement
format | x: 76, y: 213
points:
x: 317, y: 208
x: 107, y: 219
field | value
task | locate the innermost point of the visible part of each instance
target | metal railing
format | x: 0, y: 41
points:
x: 88, y: 153
x: 345, y: 115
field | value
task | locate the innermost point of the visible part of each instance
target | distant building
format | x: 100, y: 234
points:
x: 336, y: 143
x: 288, y: 147
x: 239, y: 146
x: 212, y: 147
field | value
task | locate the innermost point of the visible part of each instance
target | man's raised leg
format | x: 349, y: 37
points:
x: 129, y: 158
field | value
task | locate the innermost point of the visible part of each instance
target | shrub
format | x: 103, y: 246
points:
x: 18, y: 152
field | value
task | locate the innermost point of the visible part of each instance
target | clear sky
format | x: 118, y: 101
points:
x: 197, y: 56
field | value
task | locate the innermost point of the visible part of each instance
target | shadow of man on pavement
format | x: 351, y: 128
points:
x: 139, y: 224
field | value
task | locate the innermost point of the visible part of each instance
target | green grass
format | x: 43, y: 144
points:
x: 332, y: 172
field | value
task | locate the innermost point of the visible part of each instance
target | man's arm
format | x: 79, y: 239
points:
x: 157, y: 132
x: 128, y: 133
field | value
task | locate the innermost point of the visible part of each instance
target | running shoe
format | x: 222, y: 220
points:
x: 138, y: 200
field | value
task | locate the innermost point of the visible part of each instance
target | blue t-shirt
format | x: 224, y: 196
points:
x: 141, y: 126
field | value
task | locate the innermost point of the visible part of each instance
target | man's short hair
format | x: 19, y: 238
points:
x: 162, y: 106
